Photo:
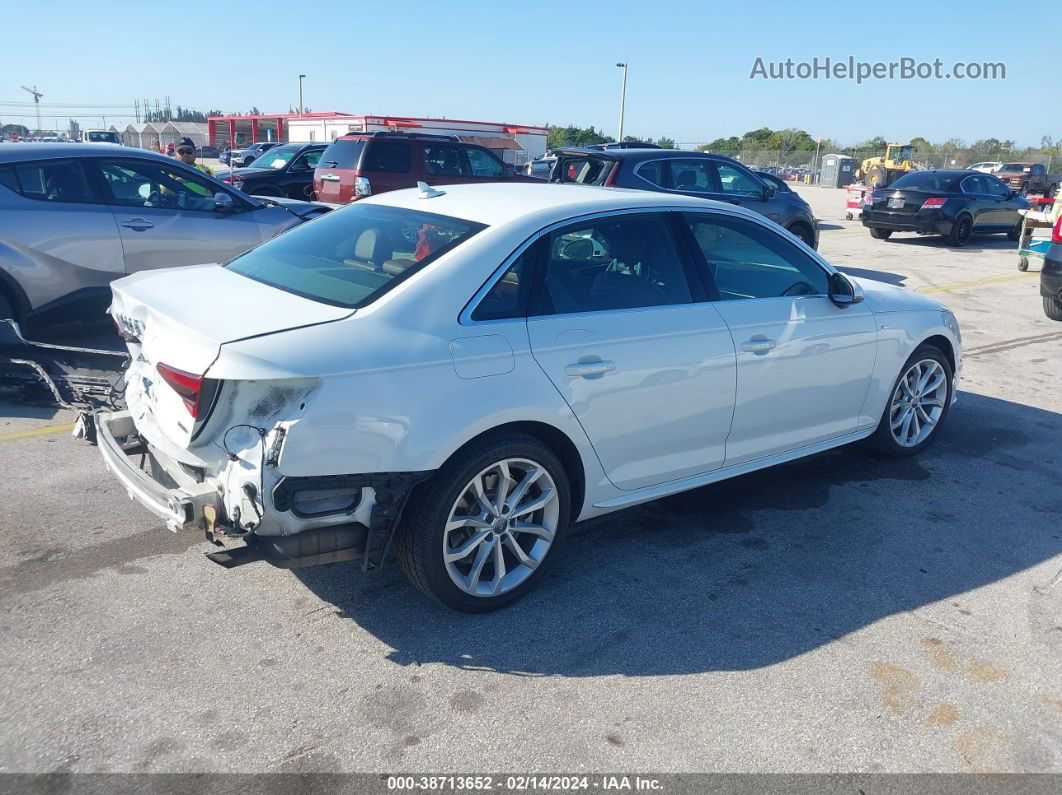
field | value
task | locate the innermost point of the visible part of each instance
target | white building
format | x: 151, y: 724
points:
x: 514, y: 143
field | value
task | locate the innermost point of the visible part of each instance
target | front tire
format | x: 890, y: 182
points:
x: 880, y: 234
x: 961, y: 231
x: 1053, y: 308
x: 480, y: 533
x: 800, y: 231
x: 918, y: 404
x: 1015, y: 233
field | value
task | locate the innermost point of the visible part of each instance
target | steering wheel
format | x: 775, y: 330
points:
x: 800, y: 288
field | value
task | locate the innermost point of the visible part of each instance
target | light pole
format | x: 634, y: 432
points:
x: 300, y: 93
x: 815, y: 164
x: 623, y: 99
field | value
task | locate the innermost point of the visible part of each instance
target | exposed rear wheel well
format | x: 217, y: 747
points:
x: 944, y: 344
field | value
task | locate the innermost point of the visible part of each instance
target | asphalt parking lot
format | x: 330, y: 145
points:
x: 843, y: 613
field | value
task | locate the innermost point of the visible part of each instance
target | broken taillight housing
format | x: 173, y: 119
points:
x: 933, y: 204
x: 189, y: 387
x: 362, y: 186
x: 868, y: 198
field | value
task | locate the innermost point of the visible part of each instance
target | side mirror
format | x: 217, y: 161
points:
x: 843, y: 291
x: 299, y: 167
x: 769, y: 192
x: 223, y: 203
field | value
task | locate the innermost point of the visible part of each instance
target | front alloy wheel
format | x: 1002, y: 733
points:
x: 918, y: 404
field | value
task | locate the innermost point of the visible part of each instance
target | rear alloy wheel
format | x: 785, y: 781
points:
x: 1053, y: 308
x: 960, y: 231
x: 1025, y: 189
x: 480, y: 532
x: 918, y: 404
x: 880, y: 234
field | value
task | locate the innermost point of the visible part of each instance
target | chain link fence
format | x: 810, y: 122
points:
x: 960, y: 158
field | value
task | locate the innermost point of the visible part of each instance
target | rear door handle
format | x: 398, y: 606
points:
x: 137, y: 223
x: 758, y: 345
x: 589, y: 369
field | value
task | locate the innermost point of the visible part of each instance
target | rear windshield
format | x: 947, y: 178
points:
x: 352, y: 256
x: 928, y: 180
x: 103, y: 137
x: 342, y: 154
x: 584, y: 170
x: 1016, y: 167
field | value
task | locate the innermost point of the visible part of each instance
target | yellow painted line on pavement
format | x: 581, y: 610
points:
x: 945, y: 288
x: 10, y: 436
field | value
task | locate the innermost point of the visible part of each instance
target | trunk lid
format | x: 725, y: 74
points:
x: 180, y: 318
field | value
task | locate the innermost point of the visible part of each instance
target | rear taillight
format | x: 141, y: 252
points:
x: 189, y: 387
x: 933, y: 204
x: 362, y: 186
x: 236, y: 182
x: 611, y: 180
x: 1056, y: 233
x: 868, y: 198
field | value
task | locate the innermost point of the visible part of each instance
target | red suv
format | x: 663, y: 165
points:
x: 361, y: 164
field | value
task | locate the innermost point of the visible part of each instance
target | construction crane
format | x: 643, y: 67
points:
x: 36, y: 103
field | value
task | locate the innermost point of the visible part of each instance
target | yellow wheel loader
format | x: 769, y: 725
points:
x: 897, y: 161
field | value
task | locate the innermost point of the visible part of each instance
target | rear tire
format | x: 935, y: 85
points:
x: 1015, y: 233
x: 961, y: 231
x: 928, y: 407
x: 1053, y: 308
x: 880, y: 234
x: 446, y: 515
x: 1025, y: 189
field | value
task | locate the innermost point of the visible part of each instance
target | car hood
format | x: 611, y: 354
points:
x: 884, y: 297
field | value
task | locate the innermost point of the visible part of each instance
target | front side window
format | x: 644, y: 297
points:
x: 443, y: 160
x: 691, y: 175
x: 748, y: 261
x: 147, y: 184
x: 483, y: 164
x: 389, y: 156
x: 738, y: 182
x: 54, y: 181
x: 618, y: 262
x: 995, y: 186
x: 972, y: 184
x: 308, y: 160
x: 352, y: 256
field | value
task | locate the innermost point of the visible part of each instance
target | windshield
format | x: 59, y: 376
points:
x: 352, y: 256
x: 277, y: 157
x: 102, y: 137
x: 927, y: 180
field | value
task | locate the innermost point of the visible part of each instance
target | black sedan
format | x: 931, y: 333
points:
x: 285, y: 170
x: 955, y: 203
x: 1051, y: 275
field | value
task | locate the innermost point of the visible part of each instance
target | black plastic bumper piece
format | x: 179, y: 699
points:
x: 308, y: 548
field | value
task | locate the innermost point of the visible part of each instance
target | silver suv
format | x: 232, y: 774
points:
x: 74, y: 217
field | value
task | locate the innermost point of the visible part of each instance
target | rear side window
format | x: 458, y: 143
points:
x: 692, y: 174
x: 391, y: 156
x: 7, y: 179
x: 508, y: 297
x: 483, y: 163
x: 352, y: 256
x: 53, y: 180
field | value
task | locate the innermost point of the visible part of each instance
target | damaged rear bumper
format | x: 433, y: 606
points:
x: 178, y: 507
x: 366, y: 537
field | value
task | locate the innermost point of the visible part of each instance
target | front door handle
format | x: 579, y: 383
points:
x: 589, y: 369
x: 137, y: 223
x: 758, y: 345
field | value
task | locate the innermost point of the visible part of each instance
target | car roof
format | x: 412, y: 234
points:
x: 640, y: 154
x: 500, y: 202
x: 19, y: 152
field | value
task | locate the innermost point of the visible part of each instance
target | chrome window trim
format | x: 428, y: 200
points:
x: 465, y: 317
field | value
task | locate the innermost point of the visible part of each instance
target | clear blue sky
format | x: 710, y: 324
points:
x: 538, y: 62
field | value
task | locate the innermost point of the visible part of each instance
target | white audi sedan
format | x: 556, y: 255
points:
x: 460, y: 374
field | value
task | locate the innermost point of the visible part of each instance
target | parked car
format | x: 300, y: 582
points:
x: 949, y: 202
x: 207, y: 151
x: 1051, y: 275
x: 364, y: 164
x: 1029, y: 178
x: 692, y: 174
x: 285, y: 170
x: 74, y: 217
x: 987, y: 167
x: 245, y: 155
x: 624, y: 145
x: 470, y: 369
x: 541, y: 167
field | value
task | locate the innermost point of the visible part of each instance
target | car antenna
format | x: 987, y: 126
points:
x: 427, y: 191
